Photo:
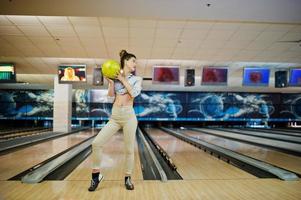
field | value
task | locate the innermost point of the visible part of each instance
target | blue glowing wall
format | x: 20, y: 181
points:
x: 158, y: 106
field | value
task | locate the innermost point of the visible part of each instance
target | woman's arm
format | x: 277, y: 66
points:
x: 133, y: 91
x: 111, y: 91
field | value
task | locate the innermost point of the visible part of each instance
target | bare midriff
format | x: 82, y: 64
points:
x: 123, y: 100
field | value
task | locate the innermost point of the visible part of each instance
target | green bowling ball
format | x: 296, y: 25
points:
x: 110, y: 69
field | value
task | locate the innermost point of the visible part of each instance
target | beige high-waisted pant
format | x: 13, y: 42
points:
x: 122, y: 117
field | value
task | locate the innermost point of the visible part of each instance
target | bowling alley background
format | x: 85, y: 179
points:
x: 92, y: 104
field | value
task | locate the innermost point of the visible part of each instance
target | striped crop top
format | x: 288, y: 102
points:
x: 134, y: 81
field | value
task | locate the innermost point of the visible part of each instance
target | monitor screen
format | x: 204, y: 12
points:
x: 7, y: 73
x: 72, y: 73
x: 256, y: 76
x: 166, y: 74
x: 295, y: 77
x: 214, y: 76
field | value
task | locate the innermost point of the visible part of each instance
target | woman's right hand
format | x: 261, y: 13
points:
x: 110, y: 81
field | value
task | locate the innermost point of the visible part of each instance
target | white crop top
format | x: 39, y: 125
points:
x: 134, y: 81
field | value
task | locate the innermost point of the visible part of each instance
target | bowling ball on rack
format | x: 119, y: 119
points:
x: 110, y: 69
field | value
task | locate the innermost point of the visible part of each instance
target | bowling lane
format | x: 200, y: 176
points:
x: 113, y: 162
x: 18, y: 161
x: 253, y: 139
x: 262, y: 134
x: 283, y: 160
x: 289, y: 130
x: 270, y: 131
x: 193, y: 163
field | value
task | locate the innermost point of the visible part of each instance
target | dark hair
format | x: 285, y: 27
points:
x: 125, y: 56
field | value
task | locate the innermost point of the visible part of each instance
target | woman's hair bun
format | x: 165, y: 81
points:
x: 122, y: 53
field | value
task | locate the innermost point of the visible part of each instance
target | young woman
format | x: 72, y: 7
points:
x: 122, y: 92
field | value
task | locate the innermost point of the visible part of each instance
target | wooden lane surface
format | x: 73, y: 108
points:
x: 275, y: 131
x: 262, y: 141
x: 22, y: 134
x: 23, y: 159
x: 283, y: 160
x: 237, y: 189
x: 288, y: 130
x: 264, y: 134
x: 113, y: 162
x: 193, y: 163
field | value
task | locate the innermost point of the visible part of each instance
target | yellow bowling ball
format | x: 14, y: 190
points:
x: 110, y: 69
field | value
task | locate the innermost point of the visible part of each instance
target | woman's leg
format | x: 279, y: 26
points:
x: 129, y: 130
x: 103, y: 136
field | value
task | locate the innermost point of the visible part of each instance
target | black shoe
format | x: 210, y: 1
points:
x: 128, y: 183
x: 94, y: 183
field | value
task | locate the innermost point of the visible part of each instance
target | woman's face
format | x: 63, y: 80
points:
x: 131, y: 64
